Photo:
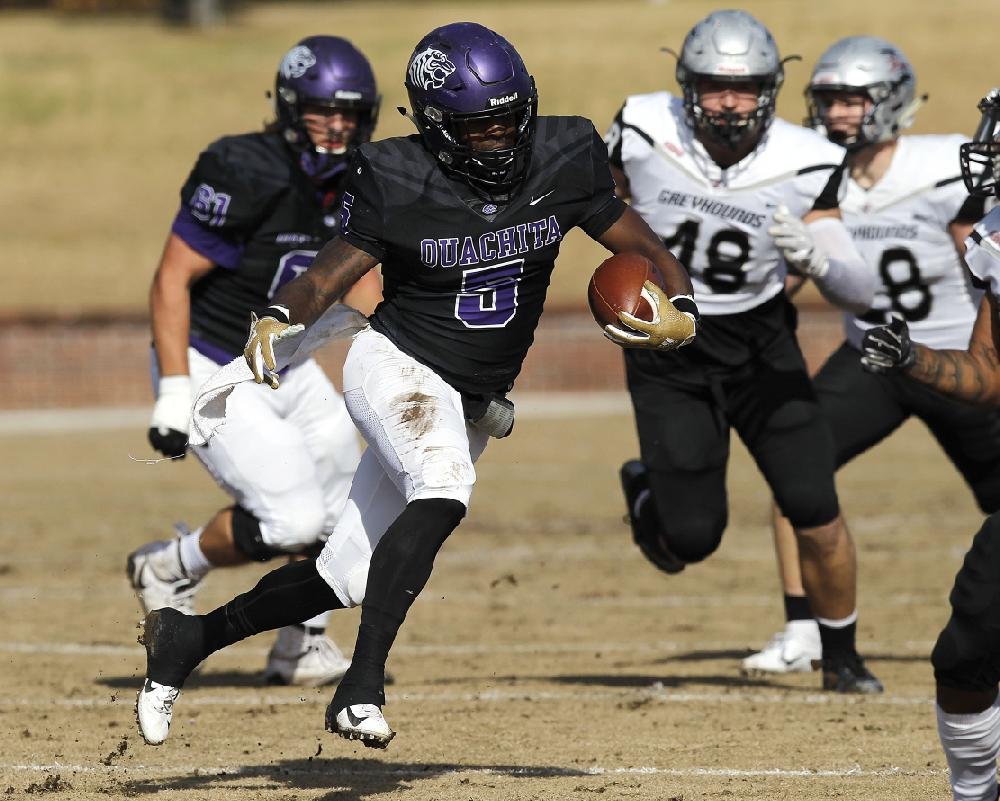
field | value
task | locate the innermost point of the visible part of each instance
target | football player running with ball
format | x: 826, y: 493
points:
x: 737, y: 195
x: 966, y: 657
x: 466, y: 218
x: 254, y: 212
x: 909, y: 213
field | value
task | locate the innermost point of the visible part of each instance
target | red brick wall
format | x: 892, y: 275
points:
x: 104, y: 361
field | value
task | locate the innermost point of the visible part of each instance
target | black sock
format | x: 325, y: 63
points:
x: 288, y: 595
x: 400, y: 567
x: 838, y: 642
x: 797, y: 608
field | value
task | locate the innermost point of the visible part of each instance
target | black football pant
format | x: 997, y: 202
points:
x: 744, y: 372
x: 862, y: 409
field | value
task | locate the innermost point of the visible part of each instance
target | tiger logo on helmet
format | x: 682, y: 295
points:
x: 297, y: 62
x: 430, y: 69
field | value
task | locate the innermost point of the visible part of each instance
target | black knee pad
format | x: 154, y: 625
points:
x: 695, y: 536
x: 247, y: 537
x: 810, y: 505
x: 965, y: 658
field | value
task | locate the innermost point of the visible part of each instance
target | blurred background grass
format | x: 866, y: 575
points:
x: 103, y: 117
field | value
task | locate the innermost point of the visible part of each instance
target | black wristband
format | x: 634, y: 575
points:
x: 277, y: 312
x: 683, y: 303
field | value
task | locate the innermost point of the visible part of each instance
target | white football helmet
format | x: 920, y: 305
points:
x: 876, y: 68
x: 730, y: 46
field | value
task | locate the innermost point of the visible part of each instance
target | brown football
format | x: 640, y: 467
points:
x: 616, y: 286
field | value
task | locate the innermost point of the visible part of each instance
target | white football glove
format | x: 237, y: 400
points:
x: 796, y: 244
x: 168, y: 427
x: 670, y: 328
x: 259, y: 350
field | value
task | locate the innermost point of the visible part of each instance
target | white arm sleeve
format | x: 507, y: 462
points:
x: 848, y: 281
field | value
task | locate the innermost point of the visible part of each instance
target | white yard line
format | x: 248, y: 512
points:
x: 530, y: 406
x: 654, y: 692
x: 468, y: 649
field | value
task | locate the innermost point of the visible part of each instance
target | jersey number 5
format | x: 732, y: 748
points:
x: 488, y: 298
x: 728, y: 250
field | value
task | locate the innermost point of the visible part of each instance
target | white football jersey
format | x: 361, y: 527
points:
x: 900, y: 226
x: 983, y: 251
x: 715, y: 220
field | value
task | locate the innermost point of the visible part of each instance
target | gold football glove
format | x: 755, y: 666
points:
x: 259, y: 350
x: 669, y: 329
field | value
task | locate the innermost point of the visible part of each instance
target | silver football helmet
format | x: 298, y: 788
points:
x: 872, y: 66
x: 980, y: 158
x: 734, y: 47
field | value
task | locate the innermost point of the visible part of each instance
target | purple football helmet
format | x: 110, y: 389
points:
x: 464, y: 80
x: 324, y: 71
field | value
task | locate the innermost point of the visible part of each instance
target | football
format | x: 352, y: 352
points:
x: 616, y: 285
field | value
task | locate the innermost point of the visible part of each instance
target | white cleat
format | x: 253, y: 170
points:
x: 154, y: 706
x: 363, y: 722
x: 305, y: 658
x: 797, y: 649
x: 159, y: 579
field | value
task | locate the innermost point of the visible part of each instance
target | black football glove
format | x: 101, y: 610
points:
x: 169, y: 442
x: 887, y: 347
x: 171, y: 416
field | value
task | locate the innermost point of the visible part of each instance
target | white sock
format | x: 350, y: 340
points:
x: 971, y: 744
x: 842, y: 623
x: 193, y: 560
x: 318, y: 622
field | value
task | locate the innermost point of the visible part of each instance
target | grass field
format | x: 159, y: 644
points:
x: 103, y: 119
x: 545, y: 660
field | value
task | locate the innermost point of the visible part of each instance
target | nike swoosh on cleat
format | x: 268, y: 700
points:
x: 540, y: 198
x: 354, y: 719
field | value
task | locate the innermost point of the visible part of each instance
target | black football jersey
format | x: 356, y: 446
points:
x: 248, y: 207
x: 464, y: 280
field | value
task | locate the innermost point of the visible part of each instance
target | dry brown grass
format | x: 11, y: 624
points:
x: 102, y: 119
x: 544, y: 647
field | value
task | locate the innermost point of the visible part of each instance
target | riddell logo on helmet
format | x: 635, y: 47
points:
x: 499, y: 101
x: 734, y: 69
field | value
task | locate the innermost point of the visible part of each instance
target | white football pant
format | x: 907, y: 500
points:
x: 419, y: 446
x: 286, y: 456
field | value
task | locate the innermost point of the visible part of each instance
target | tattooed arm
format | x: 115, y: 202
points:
x: 336, y: 268
x: 973, y: 374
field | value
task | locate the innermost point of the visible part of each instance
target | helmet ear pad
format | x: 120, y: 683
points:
x: 463, y: 76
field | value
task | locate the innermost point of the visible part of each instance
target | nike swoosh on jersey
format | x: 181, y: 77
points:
x: 540, y: 198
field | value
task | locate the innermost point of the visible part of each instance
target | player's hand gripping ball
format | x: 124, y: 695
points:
x: 628, y: 300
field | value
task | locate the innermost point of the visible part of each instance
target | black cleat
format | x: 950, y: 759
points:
x: 846, y: 673
x: 635, y: 484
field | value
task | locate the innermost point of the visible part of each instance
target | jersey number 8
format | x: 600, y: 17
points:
x: 909, y: 296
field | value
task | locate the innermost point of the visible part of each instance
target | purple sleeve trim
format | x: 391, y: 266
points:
x: 209, y: 244
x: 213, y: 352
